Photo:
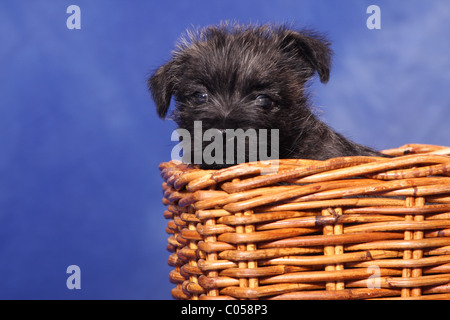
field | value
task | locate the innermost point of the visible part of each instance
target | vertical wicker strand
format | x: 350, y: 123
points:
x: 407, y: 254
x: 328, y: 250
x: 417, y: 254
x: 192, y: 262
x: 243, y: 282
x: 172, y: 261
x: 339, y: 249
x: 211, y: 257
x: 249, y: 228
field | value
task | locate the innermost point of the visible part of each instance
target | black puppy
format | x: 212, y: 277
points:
x: 251, y: 77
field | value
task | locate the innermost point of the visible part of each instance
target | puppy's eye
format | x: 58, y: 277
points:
x: 263, y: 101
x: 200, y: 97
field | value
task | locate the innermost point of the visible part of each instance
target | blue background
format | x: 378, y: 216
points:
x: 80, y: 141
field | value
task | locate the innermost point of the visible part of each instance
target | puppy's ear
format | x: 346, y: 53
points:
x: 313, y: 48
x: 161, y: 86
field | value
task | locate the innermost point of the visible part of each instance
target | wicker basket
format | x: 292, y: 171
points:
x: 344, y: 228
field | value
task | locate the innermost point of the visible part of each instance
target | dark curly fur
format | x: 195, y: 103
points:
x: 235, y: 66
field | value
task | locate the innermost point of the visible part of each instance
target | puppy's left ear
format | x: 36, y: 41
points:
x: 161, y: 86
x: 313, y: 48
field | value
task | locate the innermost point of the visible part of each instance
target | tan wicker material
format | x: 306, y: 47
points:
x: 344, y: 228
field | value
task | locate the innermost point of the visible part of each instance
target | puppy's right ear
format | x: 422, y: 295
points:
x: 161, y: 86
x: 313, y: 48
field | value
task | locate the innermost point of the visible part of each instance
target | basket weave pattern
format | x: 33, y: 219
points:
x: 344, y: 228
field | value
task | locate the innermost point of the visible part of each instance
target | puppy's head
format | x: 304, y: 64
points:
x: 241, y: 77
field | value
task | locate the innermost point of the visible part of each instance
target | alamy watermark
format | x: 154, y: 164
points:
x: 74, y: 20
x: 374, y: 281
x: 226, y: 146
x: 74, y: 280
x: 374, y: 20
